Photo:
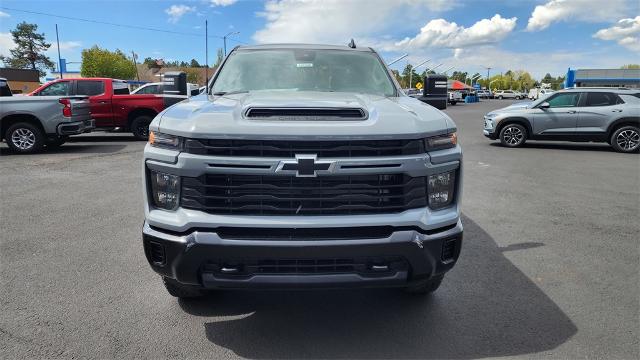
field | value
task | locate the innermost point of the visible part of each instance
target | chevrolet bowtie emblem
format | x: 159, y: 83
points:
x: 305, y: 165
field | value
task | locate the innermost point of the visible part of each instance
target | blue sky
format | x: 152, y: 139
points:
x: 538, y: 36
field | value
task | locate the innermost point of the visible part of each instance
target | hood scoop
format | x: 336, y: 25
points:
x: 305, y: 114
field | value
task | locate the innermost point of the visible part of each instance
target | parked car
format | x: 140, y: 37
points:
x: 4, y: 88
x: 454, y: 97
x: 285, y: 182
x: 536, y: 93
x: 157, y: 88
x: 508, y: 94
x: 580, y: 114
x: 111, y: 104
x: 484, y: 94
x: 27, y: 124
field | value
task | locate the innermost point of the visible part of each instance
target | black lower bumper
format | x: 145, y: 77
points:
x: 205, y: 259
x: 76, y: 127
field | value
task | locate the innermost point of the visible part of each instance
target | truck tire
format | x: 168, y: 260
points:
x: 24, y: 138
x: 181, y: 291
x: 626, y: 139
x: 513, y: 135
x: 140, y: 127
x: 426, y: 287
x: 452, y: 102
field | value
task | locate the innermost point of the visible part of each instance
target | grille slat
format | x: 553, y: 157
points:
x: 288, y: 149
x: 289, y: 195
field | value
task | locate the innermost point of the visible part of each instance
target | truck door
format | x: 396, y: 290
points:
x: 99, y: 99
x: 560, y: 118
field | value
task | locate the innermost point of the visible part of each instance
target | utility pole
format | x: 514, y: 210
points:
x: 225, y: 40
x: 413, y: 68
x: 133, y: 54
x: 206, y: 53
x: 488, y: 68
x: 59, y: 58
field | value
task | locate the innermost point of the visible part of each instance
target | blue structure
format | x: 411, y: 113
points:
x: 602, y: 77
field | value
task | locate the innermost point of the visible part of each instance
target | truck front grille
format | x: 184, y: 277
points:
x: 289, y: 195
x: 289, y: 149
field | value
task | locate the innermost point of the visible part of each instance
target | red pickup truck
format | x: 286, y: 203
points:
x: 111, y: 104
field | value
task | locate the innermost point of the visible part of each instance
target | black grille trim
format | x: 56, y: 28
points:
x: 289, y: 149
x: 359, y: 232
x: 289, y: 195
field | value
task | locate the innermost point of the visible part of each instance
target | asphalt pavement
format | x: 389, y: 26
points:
x: 549, y: 266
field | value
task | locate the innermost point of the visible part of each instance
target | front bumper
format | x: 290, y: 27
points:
x: 76, y: 127
x: 202, y: 257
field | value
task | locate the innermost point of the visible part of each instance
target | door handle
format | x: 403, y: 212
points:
x: 103, y: 102
x: 616, y: 110
x: 571, y: 112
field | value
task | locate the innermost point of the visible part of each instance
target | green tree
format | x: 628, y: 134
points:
x: 97, y: 62
x: 195, y: 63
x: 193, y: 74
x: 630, y: 66
x: 29, y: 50
x: 410, y: 74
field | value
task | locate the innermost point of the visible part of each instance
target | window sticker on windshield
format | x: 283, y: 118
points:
x: 304, y: 65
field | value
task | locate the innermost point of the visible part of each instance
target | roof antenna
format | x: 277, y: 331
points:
x: 352, y: 44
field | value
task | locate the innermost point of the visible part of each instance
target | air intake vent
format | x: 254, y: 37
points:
x: 306, y: 114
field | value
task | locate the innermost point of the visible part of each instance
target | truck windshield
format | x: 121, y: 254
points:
x: 304, y: 70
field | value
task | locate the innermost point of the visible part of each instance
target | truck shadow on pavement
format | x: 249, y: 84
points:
x: 485, y: 307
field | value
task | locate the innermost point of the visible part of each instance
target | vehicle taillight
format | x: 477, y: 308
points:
x: 66, y: 110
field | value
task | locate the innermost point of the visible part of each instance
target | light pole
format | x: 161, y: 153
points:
x: 445, y: 72
x: 435, y: 67
x: 225, y: 40
x: 398, y: 59
x: 413, y: 68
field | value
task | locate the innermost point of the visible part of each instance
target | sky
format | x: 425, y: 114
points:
x: 545, y: 36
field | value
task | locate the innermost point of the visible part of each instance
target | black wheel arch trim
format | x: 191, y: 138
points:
x: 629, y: 120
x: 515, y: 120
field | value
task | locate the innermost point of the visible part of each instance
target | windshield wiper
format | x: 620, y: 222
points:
x: 220, y: 93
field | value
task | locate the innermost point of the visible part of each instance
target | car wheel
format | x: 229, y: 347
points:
x: 513, y: 135
x: 140, y: 127
x: 500, y: 97
x: 181, y: 291
x: 426, y: 287
x: 626, y: 139
x: 24, y: 138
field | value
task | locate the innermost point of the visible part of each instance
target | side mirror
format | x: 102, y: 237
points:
x: 544, y: 105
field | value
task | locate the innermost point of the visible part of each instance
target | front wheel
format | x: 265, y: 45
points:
x: 140, y: 127
x: 24, y: 138
x: 500, y: 97
x: 513, y: 135
x: 626, y: 139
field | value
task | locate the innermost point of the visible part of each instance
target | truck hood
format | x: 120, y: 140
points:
x: 223, y: 117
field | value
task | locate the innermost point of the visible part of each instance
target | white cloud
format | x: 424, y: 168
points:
x: 336, y: 21
x: 576, y: 10
x: 625, y: 32
x: 441, y: 33
x: 6, y: 43
x: 4, y: 14
x: 176, y: 12
x: 222, y: 2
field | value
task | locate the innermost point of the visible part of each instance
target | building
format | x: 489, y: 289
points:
x: 21, y: 81
x: 66, y: 74
x: 603, y: 77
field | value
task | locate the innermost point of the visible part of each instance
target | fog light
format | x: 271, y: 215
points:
x: 440, y: 188
x: 165, y: 189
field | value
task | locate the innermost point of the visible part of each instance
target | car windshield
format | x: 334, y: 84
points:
x: 304, y: 70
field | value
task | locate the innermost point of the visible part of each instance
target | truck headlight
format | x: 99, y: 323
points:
x: 440, y: 188
x: 165, y: 141
x: 442, y: 142
x: 165, y: 189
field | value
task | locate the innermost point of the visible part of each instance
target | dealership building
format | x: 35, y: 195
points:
x: 629, y: 78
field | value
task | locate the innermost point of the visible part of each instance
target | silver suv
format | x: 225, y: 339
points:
x: 579, y: 114
x: 303, y: 166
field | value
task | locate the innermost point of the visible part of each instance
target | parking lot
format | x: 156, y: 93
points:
x: 549, y: 266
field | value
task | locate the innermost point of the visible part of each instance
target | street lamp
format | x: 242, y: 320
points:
x: 413, y: 68
x: 225, y: 40
x: 398, y: 59
x: 445, y: 72
x: 435, y: 67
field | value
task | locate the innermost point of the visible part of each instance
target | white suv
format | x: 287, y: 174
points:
x: 508, y: 94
